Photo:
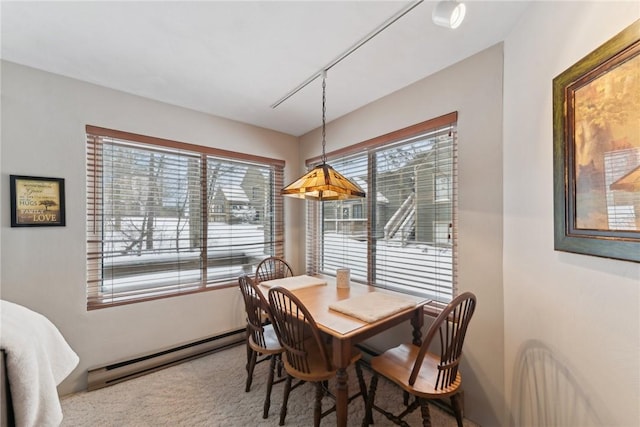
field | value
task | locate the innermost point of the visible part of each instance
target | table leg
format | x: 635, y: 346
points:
x: 341, y: 359
x: 342, y: 399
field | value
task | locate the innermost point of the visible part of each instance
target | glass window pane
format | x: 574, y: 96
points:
x: 408, y: 244
x: 157, y: 213
x: 344, y: 237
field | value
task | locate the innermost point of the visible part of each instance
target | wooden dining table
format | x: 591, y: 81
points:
x: 346, y: 331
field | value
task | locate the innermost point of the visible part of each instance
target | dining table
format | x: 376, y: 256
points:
x: 382, y: 309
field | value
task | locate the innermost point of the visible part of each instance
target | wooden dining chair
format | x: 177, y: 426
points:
x: 262, y: 340
x: 423, y: 374
x: 272, y: 268
x: 307, y: 358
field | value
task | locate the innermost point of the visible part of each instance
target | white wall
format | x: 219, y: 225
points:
x: 43, y: 124
x: 572, y: 322
x: 576, y: 316
x: 472, y: 87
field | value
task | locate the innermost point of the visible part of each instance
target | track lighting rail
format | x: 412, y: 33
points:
x: 349, y: 51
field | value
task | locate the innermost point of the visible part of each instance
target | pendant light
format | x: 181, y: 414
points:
x: 323, y: 182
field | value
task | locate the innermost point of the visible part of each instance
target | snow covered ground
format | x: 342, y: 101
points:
x: 413, y: 268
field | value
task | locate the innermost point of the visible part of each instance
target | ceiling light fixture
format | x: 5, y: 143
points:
x: 449, y: 14
x: 323, y: 182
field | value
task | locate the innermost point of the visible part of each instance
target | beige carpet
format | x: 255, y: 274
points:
x: 209, y: 391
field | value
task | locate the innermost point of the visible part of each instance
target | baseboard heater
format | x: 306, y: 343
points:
x: 128, y: 369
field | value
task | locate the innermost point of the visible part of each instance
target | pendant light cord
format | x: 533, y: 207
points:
x: 323, y: 183
x: 324, y: 112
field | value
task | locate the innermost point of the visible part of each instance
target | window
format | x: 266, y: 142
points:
x: 167, y: 218
x: 403, y: 236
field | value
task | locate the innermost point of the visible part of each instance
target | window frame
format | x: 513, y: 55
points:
x: 94, y: 204
x: 314, y: 209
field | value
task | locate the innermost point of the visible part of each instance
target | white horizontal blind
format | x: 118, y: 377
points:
x: 166, y: 220
x: 414, y: 242
x: 403, y: 235
x: 344, y: 223
x: 245, y: 220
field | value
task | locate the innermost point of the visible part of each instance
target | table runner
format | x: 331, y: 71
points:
x: 295, y: 282
x: 372, y: 306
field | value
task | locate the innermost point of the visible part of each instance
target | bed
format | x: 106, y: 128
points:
x: 6, y: 407
x: 35, y: 359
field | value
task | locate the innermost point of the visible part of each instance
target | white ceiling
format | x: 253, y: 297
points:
x: 235, y: 59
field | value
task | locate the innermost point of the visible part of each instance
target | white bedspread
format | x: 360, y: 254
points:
x: 38, y: 359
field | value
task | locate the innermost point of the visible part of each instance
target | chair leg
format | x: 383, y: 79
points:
x: 267, y: 400
x: 250, y: 368
x: 285, y: 399
x: 363, y: 391
x: 249, y: 352
x: 368, y: 411
x: 317, y: 407
x: 279, y: 366
x: 424, y: 409
x: 405, y: 397
x: 457, y: 407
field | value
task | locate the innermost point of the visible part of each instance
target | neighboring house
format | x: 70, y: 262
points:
x: 421, y: 211
x: 240, y: 197
x: 413, y: 201
x: 350, y: 216
x: 256, y: 186
x: 622, y: 176
x: 230, y: 204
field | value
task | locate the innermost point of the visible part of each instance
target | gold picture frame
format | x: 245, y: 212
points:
x: 37, y: 201
x: 596, y: 151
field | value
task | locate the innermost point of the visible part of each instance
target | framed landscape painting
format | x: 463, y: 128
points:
x: 596, y: 131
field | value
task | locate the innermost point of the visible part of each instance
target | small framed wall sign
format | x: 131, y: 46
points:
x: 36, y: 201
